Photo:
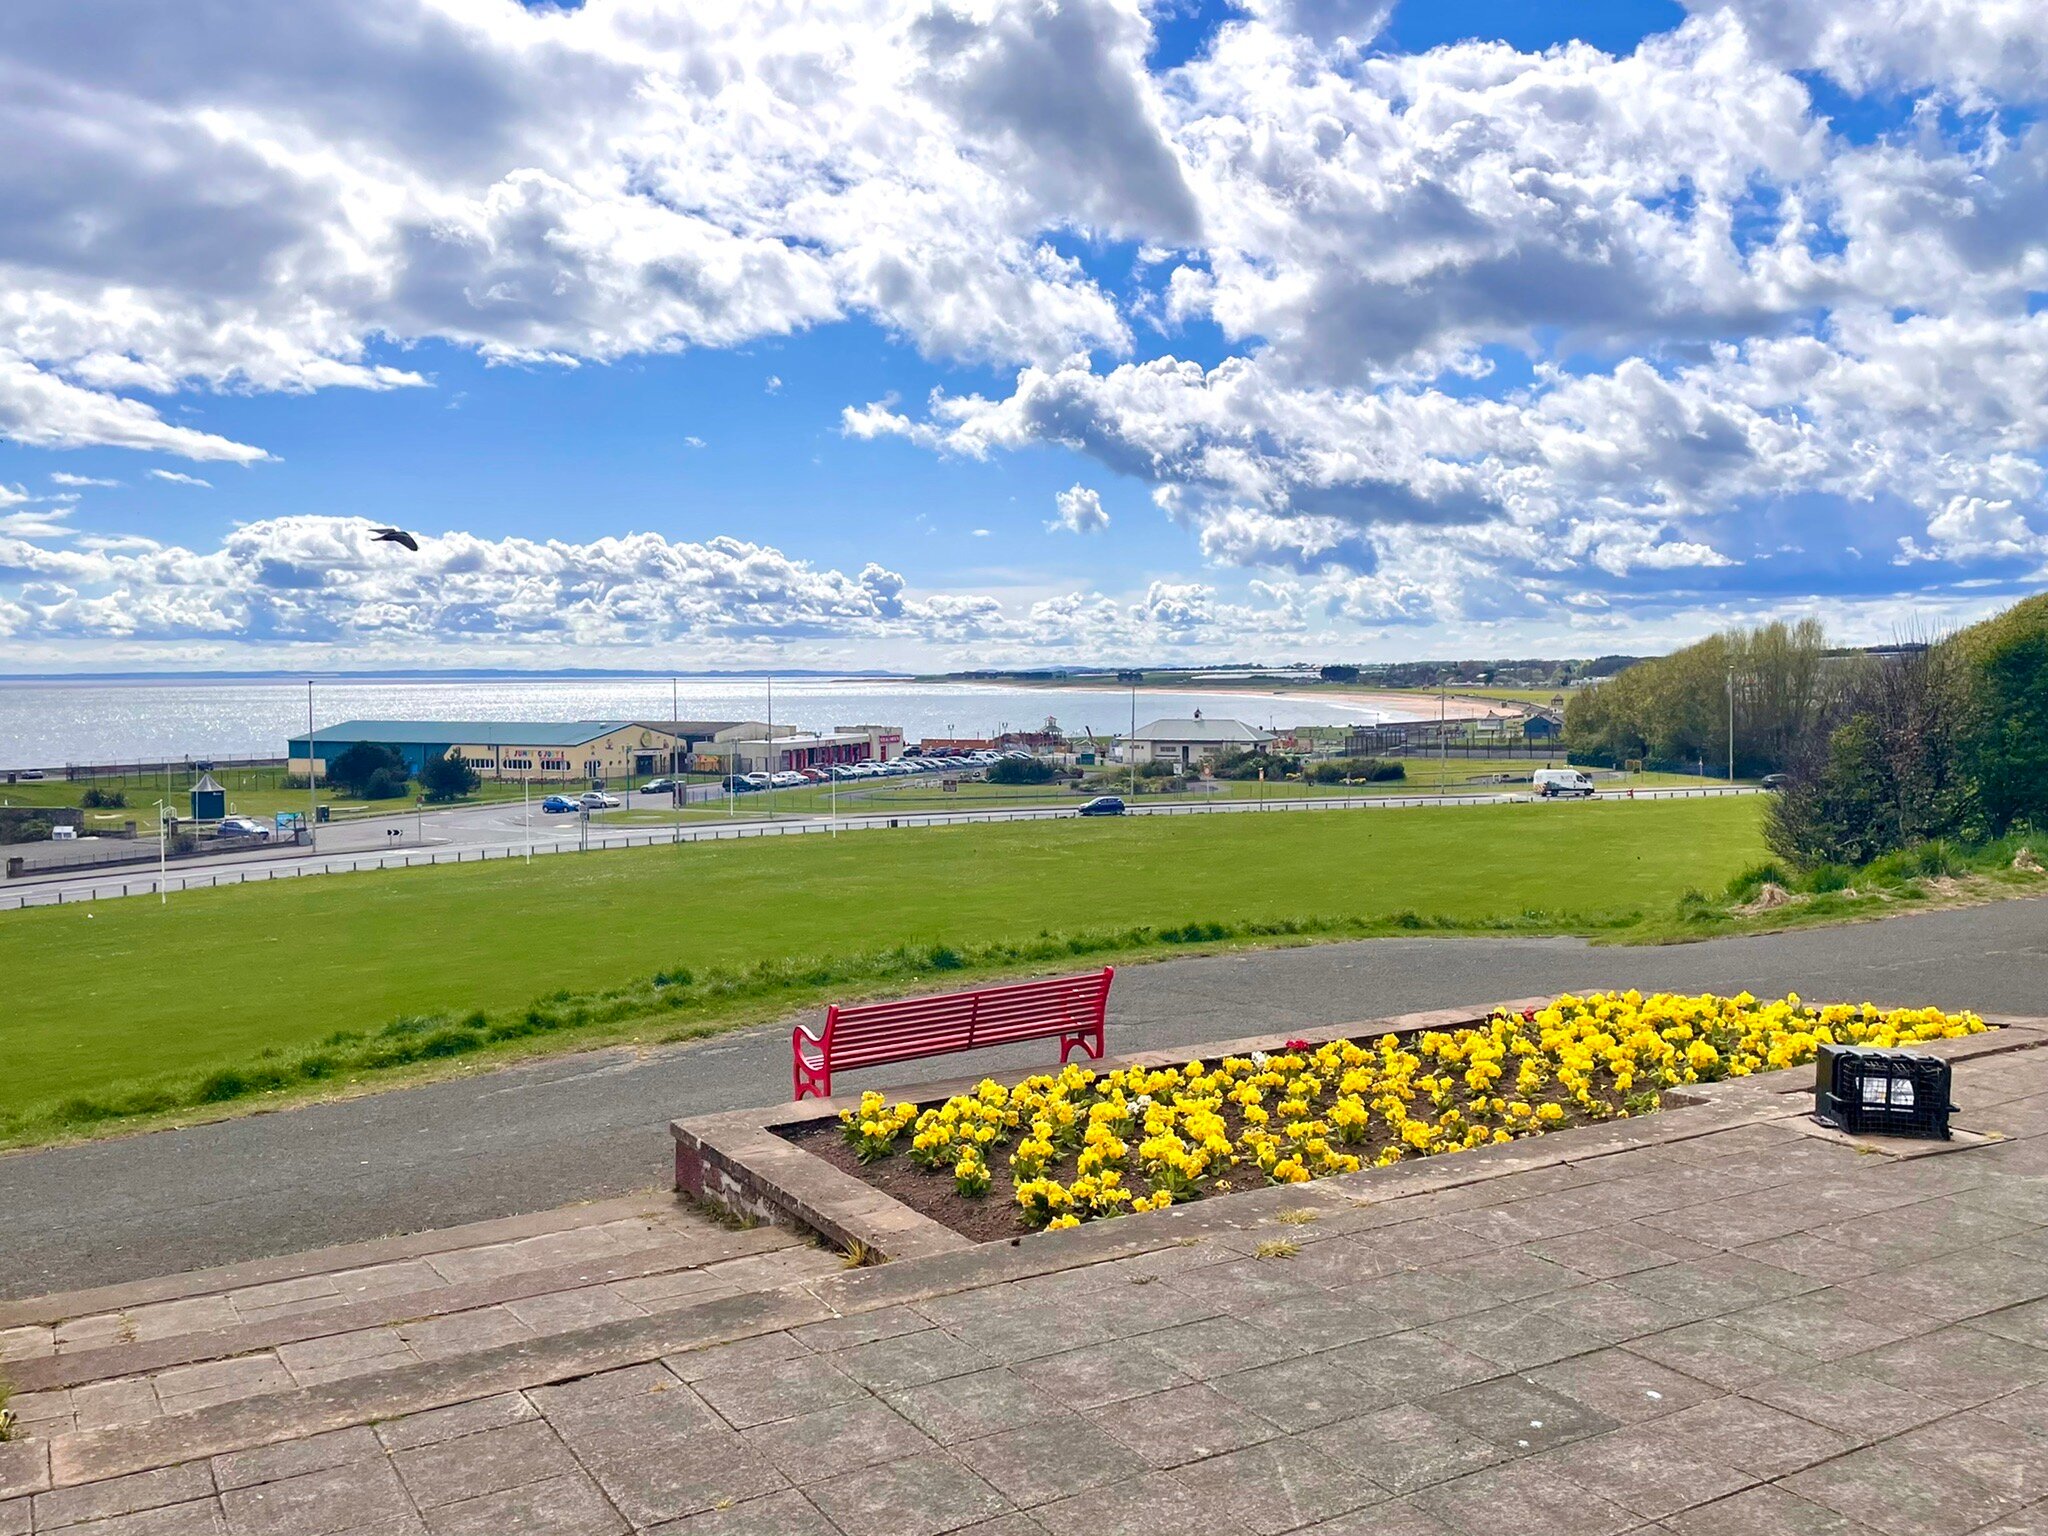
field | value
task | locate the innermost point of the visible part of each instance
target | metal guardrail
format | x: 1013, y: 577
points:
x: 816, y: 827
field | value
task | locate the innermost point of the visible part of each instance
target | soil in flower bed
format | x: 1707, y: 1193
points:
x: 1109, y: 1143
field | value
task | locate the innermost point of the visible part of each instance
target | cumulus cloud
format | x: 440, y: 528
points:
x: 1079, y: 511
x: 1473, y: 335
x: 288, y: 582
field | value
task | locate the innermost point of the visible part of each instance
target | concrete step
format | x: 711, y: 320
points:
x: 125, y: 1356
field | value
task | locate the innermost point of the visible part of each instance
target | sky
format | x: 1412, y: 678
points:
x: 948, y: 333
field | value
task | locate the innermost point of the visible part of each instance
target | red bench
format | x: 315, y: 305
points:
x: 1070, y: 1009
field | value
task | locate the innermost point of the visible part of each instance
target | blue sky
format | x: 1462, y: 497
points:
x: 1489, y: 327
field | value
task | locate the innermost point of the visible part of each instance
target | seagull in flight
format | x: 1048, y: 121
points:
x: 396, y: 536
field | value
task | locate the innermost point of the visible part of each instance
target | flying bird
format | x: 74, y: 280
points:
x: 397, y: 536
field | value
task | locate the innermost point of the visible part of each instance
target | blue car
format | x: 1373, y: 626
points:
x: 556, y: 804
x: 1104, y: 805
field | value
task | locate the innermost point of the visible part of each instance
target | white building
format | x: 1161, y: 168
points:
x: 1187, y: 742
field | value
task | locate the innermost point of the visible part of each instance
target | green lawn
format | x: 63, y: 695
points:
x: 250, y: 792
x: 128, y: 991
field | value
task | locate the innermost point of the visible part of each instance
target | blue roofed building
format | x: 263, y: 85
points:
x: 565, y: 750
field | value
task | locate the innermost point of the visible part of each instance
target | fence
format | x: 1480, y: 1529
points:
x: 488, y: 853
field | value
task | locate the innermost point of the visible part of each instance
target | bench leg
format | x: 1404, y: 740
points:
x: 808, y: 1081
x: 1089, y: 1041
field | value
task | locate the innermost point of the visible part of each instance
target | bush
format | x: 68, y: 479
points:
x: 1249, y: 765
x: 1158, y: 768
x: 97, y: 799
x: 448, y: 778
x: 1022, y: 770
x: 385, y: 784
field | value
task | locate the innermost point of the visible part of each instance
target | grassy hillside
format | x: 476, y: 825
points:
x: 131, y: 991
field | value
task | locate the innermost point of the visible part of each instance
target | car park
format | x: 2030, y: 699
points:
x: 1104, y: 805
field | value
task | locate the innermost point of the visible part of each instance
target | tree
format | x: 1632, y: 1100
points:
x: 352, y: 772
x: 386, y: 784
x: 2006, y: 662
x: 448, y: 778
x: 1340, y: 674
x: 1675, y: 709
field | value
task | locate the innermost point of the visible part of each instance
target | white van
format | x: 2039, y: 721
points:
x: 1561, y: 781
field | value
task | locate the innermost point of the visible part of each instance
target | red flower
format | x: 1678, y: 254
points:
x: 1529, y: 1015
x: 1299, y: 1045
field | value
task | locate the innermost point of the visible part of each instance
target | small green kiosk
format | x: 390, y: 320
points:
x: 209, y: 800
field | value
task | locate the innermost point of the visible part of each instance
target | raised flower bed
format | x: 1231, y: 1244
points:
x: 1060, y: 1149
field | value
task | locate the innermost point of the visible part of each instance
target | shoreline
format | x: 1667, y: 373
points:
x: 1387, y: 704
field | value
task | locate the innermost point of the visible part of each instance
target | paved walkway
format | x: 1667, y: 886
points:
x: 595, y: 1125
x: 1729, y: 1326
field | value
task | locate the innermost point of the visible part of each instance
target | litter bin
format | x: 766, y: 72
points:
x: 320, y: 813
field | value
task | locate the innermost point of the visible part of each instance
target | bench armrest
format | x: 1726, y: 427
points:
x: 804, y: 1034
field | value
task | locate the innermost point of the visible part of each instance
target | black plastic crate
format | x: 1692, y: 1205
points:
x: 1865, y: 1091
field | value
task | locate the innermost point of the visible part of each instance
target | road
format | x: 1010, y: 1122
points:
x: 479, y: 833
x: 530, y: 1137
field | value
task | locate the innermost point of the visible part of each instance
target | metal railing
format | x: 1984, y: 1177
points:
x: 315, y: 864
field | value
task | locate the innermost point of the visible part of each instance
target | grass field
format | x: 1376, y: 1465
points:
x: 250, y: 792
x: 130, y: 991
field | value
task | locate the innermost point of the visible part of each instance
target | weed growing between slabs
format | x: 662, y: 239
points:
x: 1058, y: 1150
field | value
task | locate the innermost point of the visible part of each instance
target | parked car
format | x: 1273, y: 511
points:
x: 1554, y: 782
x: 788, y: 779
x: 753, y: 781
x: 658, y: 787
x: 816, y: 775
x: 241, y: 826
x: 597, y: 800
x: 555, y: 805
x: 1104, y: 805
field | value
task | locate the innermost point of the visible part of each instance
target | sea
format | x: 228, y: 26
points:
x: 52, y: 723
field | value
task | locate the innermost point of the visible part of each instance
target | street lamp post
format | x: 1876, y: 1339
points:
x: 163, y: 869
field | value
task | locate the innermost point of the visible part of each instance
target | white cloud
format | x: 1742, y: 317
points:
x: 176, y: 478
x: 1079, y: 511
x: 49, y: 524
x: 693, y: 442
x: 59, y: 477
x: 1503, y: 333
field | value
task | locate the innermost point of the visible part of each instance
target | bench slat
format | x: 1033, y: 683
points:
x: 1071, y: 1009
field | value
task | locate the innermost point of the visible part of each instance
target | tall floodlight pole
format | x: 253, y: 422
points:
x: 312, y: 790
x: 1731, y: 722
x: 1132, y: 677
x: 163, y: 866
x: 1443, y: 704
